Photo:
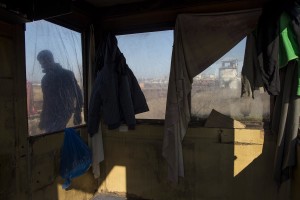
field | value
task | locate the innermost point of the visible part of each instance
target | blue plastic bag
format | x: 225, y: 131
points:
x: 76, y: 157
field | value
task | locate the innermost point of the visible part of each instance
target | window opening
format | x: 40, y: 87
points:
x: 148, y: 55
x: 219, y: 88
x: 54, y: 77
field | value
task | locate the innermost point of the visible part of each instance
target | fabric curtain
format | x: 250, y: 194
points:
x: 251, y: 75
x: 95, y: 142
x: 285, y: 122
x: 199, y: 41
x: 286, y: 113
x: 272, y: 57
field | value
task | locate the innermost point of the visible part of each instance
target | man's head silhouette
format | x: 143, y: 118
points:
x: 45, y: 58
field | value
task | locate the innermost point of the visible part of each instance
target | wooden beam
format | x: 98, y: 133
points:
x: 78, y: 20
x: 164, y: 18
x: 12, y: 17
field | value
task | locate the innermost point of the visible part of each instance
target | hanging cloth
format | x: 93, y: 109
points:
x: 273, y: 50
x: 96, y: 145
x: 116, y: 96
x: 199, y: 41
x: 285, y: 122
x: 288, y: 45
x: 95, y: 142
x: 251, y: 74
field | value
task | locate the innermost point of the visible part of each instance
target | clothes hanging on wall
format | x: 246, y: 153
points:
x: 277, y: 60
x: 285, y: 122
x: 95, y: 142
x: 199, y: 41
x: 267, y: 44
x: 96, y: 145
x: 288, y: 42
x: 270, y: 47
x: 251, y: 75
x: 116, y: 96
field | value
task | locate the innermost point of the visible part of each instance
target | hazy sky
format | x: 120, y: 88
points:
x: 65, y: 45
x: 147, y: 54
x: 236, y: 52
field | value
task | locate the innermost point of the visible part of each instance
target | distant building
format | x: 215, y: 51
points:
x: 228, y: 74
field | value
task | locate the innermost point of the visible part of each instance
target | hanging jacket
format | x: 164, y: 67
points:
x: 116, y: 95
x: 251, y: 74
x: 267, y: 44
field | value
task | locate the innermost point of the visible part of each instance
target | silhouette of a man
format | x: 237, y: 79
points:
x: 62, y: 96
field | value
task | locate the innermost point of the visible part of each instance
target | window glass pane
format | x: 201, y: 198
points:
x: 219, y: 88
x: 148, y: 55
x: 54, y: 77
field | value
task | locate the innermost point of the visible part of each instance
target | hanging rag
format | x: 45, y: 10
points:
x: 116, y: 96
x: 199, y: 40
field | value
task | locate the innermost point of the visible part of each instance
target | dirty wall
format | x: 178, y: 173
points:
x: 219, y: 163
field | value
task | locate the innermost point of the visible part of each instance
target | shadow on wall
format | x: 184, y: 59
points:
x: 219, y: 164
x: 46, y: 183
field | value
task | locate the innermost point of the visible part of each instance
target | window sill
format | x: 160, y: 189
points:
x: 265, y: 124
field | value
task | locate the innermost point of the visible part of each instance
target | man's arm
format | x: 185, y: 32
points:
x: 79, y: 103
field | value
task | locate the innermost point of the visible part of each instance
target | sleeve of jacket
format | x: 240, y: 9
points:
x: 267, y: 44
x: 138, y: 99
x: 251, y: 77
x: 126, y: 102
x: 78, y: 96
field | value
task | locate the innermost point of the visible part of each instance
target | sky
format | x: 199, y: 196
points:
x: 65, y: 45
x: 237, y: 52
x: 147, y: 54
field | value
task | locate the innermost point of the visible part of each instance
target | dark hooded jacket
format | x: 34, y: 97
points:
x: 116, y: 95
x: 267, y: 43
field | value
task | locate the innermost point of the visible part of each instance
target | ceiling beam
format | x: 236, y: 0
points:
x: 163, y: 17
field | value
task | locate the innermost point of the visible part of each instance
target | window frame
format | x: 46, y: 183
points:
x: 84, y: 77
x: 263, y: 124
x: 144, y: 121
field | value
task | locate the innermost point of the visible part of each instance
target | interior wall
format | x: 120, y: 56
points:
x: 29, y: 167
x: 13, y: 127
x: 46, y: 182
x: 295, y: 192
x: 219, y: 164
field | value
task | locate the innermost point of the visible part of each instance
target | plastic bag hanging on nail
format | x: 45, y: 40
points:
x: 76, y: 157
